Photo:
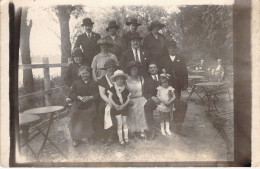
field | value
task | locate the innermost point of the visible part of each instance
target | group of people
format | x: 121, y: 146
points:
x: 117, y: 82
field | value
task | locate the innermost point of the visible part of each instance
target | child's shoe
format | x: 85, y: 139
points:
x: 168, y: 132
x: 163, y: 132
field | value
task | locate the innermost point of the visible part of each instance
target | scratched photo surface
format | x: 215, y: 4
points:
x: 174, y: 102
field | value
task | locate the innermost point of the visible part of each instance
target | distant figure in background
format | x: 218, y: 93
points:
x: 88, y: 41
x: 115, y: 39
x: 220, y: 71
x: 133, y: 25
x: 155, y: 43
x: 134, y: 53
x: 85, y: 95
x: 175, y: 65
x: 99, y: 60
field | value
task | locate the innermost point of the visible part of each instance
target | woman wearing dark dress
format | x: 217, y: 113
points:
x: 84, y: 94
x: 104, y: 84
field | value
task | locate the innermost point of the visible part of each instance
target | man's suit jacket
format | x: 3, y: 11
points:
x: 128, y: 56
x: 177, y: 69
x: 156, y: 47
x: 126, y: 42
x: 117, y: 48
x: 89, y: 46
x: 150, y: 86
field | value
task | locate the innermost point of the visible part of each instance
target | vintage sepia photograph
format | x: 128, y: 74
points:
x: 132, y: 83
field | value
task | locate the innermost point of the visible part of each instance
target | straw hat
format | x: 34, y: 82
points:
x: 118, y: 73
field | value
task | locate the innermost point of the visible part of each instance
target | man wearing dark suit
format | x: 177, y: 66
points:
x: 155, y: 43
x: 133, y: 25
x: 175, y: 65
x: 151, y: 82
x: 88, y: 41
x: 134, y: 53
x: 116, y: 40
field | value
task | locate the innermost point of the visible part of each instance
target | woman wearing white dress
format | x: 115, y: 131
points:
x: 136, y: 116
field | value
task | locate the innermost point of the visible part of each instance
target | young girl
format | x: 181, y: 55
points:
x: 119, y: 96
x: 165, y: 94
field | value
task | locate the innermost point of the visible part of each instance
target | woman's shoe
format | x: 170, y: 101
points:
x: 163, y: 132
x: 122, y: 143
x: 76, y: 143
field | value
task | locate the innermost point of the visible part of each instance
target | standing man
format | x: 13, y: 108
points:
x: 115, y: 39
x: 175, y: 65
x: 88, y: 41
x: 133, y: 25
x: 134, y: 53
x: 151, y: 82
x: 155, y: 42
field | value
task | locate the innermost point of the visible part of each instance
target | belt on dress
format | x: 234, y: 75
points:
x: 134, y: 97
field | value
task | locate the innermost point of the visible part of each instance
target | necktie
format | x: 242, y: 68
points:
x: 136, y: 56
x: 155, y: 78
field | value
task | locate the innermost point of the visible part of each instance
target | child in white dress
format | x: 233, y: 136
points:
x: 165, y: 94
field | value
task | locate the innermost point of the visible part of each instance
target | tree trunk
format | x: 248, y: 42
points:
x: 28, y: 80
x: 64, y: 17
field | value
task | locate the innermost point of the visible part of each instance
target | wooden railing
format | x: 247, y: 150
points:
x: 47, y: 81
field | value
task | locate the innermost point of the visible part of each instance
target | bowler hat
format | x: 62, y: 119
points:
x: 135, y: 36
x: 87, y: 22
x: 77, y: 52
x: 112, y: 24
x: 104, y: 41
x: 132, y: 21
x: 109, y: 63
x: 118, y: 73
x: 156, y: 24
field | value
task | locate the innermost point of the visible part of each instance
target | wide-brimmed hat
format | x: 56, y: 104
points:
x: 109, y: 63
x: 165, y: 75
x: 132, y: 64
x: 112, y: 24
x: 77, y: 52
x: 156, y: 24
x: 118, y: 73
x: 83, y: 69
x: 135, y: 36
x: 133, y: 21
x: 87, y: 22
x: 102, y: 41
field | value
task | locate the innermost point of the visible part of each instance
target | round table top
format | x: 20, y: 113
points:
x: 44, y: 110
x: 27, y: 118
x: 197, y: 71
x: 209, y: 84
x: 195, y: 77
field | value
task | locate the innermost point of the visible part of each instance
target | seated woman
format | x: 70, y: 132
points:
x: 99, y: 60
x: 136, y: 116
x: 119, y: 96
x: 85, y: 94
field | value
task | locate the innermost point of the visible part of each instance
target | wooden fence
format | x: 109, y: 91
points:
x: 47, y: 81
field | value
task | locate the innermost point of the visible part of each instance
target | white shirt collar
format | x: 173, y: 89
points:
x: 89, y: 34
x: 172, y: 57
x: 113, y: 37
x: 138, y: 53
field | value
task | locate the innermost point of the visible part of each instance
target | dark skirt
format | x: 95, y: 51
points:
x: 123, y: 112
x: 82, y: 120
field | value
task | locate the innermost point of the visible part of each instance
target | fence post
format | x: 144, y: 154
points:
x: 47, y: 81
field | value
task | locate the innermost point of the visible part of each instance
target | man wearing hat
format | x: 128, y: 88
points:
x: 88, y: 41
x: 114, y: 38
x: 155, y: 42
x: 133, y: 25
x: 134, y: 53
x: 175, y: 65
